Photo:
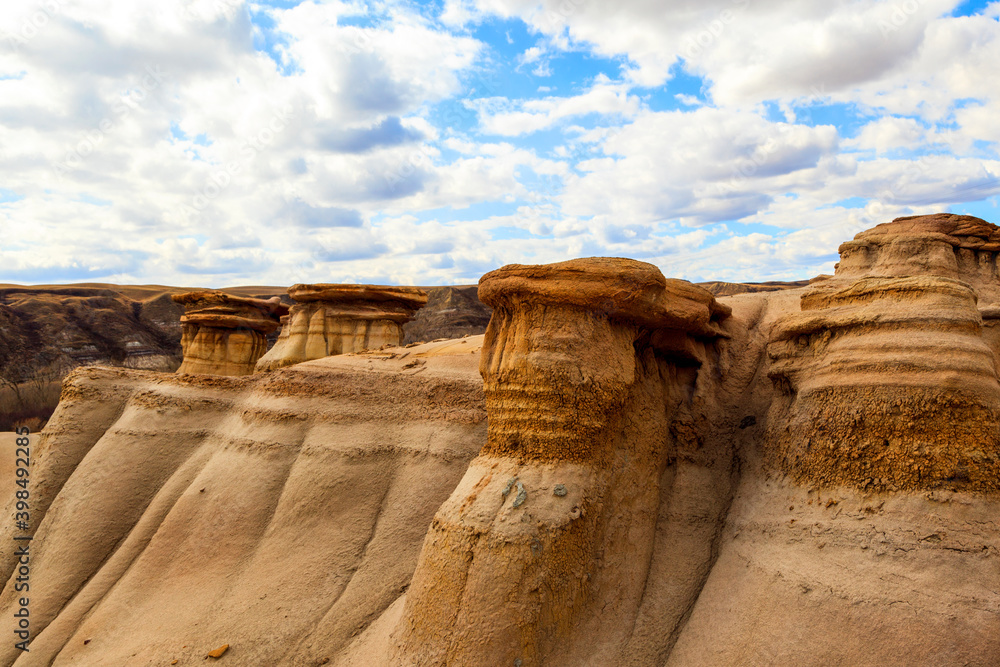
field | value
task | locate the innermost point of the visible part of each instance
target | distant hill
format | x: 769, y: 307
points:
x: 730, y: 289
x: 47, y: 330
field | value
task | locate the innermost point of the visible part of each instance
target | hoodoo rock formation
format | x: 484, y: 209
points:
x: 225, y: 334
x: 885, y: 379
x: 334, y: 319
x: 625, y: 470
x: 552, y: 528
x: 870, y: 533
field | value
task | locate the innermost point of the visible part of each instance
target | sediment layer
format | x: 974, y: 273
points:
x: 331, y: 319
x: 224, y: 334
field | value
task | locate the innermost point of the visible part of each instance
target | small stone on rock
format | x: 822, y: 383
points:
x: 522, y: 495
x: 217, y: 653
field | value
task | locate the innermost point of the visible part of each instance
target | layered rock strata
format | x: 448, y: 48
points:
x: 551, y: 531
x: 278, y: 513
x: 863, y: 530
x: 331, y: 319
x: 885, y: 380
x: 661, y: 482
x: 224, y: 334
x: 962, y: 247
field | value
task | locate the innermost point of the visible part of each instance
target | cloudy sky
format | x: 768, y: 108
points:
x: 221, y: 142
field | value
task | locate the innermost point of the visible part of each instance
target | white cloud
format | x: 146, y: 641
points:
x: 358, y: 141
x: 704, y: 165
x: 531, y: 55
x: 886, y: 134
x: 220, y: 137
x: 500, y: 116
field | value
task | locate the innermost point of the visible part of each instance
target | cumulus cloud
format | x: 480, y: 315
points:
x: 702, y: 166
x: 170, y: 114
x: 885, y: 134
x: 503, y: 117
x: 212, y: 142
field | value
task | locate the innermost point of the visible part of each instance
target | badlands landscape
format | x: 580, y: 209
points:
x: 624, y: 469
x: 48, y: 330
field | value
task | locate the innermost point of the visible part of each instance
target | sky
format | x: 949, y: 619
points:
x: 221, y: 142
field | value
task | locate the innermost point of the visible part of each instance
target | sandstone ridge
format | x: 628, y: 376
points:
x: 624, y: 470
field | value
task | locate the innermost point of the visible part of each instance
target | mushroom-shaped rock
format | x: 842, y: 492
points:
x: 885, y: 379
x: 573, y: 325
x: 952, y: 246
x: 331, y: 319
x: 224, y: 334
x: 552, y: 527
x: 884, y: 422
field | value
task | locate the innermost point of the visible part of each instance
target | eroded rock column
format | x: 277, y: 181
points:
x: 551, y: 529
x: 331, y: 319
x: 885, y: 379
x: 951, y: 246
x: 224, y: 334
x: 868, y: 536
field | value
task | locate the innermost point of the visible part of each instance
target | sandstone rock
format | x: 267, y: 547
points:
x: 886, y: 380
x: 878, y: 468
x: 304, y: 534
x: 803, y: 476
x: 574, y: 354
x: 218, y: 652
x: 339, y: 319
x: 952, y: 246
x: 225, y: 334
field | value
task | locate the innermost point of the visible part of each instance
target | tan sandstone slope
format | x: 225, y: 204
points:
x: 278, y: 513
x: 625, y: 470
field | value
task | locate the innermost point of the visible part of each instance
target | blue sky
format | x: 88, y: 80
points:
x: 219, y: 142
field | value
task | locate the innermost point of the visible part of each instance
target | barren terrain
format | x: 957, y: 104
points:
x: 625, y: 469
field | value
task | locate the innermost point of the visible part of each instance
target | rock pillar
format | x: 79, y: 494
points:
x: 885, y: 380
x: 551, y: 528
x: 224, y: 334
x: 339, y: 319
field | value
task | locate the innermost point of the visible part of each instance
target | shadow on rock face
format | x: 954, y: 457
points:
x: 624, y: 470
x: 553, y: 527
x: 330, y: 319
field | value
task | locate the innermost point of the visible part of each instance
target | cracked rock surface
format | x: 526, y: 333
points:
x: 624, y: 470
